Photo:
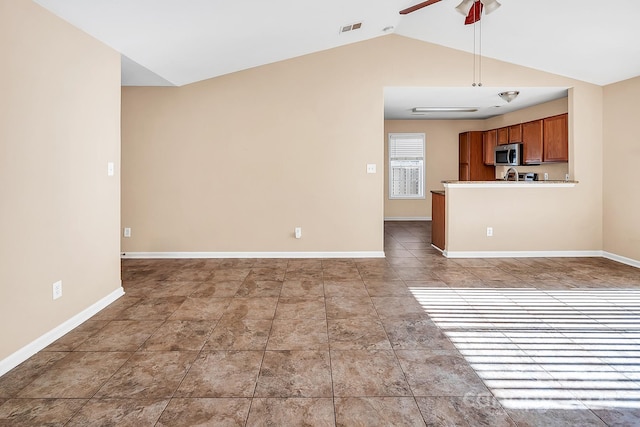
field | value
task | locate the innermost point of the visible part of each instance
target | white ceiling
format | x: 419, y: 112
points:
x: 400, y: 101
x: 177, y: 42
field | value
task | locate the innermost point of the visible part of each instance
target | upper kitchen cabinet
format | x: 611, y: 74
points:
x: 556, y: 139
x: 503, y: 136
x: 471, y: 158
x: 515, y: 133
x: 532, y: 142
x: 489, y: 141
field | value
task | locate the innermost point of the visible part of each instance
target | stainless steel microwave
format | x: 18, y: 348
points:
x: 508, y: 155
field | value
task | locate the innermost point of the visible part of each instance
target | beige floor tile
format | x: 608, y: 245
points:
x: 38, y: 412
x: 347, y: 307
x: 205, y: 412
x: 140, y: 378
x: 377, y: 411
x: 121, y: 335
x: 251, y: 308
x: 439, y: 373
x: 291, y: 412
x: 119, y: 412
x: 78, y: 375
x: 222, y: 374
x: 201, y: 309
x: 239, y: 334
x: 22, y: 375
x: 358, y: 333
x: 180, y: 335
x: 367, y: 373
x: 298, y: 334
x: 295, y: 374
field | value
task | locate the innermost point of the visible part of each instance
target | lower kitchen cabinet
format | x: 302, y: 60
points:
x: 438, y: 219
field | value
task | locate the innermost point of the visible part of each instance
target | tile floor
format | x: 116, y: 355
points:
x: 348, y: 342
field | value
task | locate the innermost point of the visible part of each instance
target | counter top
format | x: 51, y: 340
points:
x: 441, y: 192
x: 509, y: 184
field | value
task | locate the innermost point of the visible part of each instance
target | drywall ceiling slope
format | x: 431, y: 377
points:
x: 187, y: 41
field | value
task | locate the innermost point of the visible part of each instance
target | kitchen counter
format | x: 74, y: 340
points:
x: 509, y: 184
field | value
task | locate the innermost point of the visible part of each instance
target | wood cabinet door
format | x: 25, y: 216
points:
x: 556, y: 139
x: 464, y: 172
x: 515, y: 133
x: 532, y: 142
x: 463, y: 147
x: 503, y: 136
x: 489, y: 141
x: 438, y: 225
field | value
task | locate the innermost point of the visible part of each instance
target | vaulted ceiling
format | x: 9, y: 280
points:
x: 177, y: 42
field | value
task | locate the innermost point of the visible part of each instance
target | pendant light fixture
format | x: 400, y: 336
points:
x: 509, y: 95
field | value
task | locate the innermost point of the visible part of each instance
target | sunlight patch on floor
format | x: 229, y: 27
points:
x: 545, y: 349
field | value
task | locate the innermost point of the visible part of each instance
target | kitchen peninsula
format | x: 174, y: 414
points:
x: 508, y: 219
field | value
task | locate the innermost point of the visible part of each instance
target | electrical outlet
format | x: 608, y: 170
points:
x: 546, y: 176
x: 298, y: 232
x: 127, y: 232
x: 57, y: 289
x: 489, y: 231
x: 566, y: 177
x: 111, y: 169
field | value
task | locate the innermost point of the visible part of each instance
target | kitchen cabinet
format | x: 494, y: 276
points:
x: 503, y: 135
x: 532, y: 142
x: 515, y: 133
x: 438, y: 219
x: 489, y: 141
x: 471, y: 158
x: 556, y: 139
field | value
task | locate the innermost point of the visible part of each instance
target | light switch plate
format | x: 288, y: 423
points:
x: 371, y: 168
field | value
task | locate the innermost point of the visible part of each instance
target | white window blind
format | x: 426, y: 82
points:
x: 406, y: 166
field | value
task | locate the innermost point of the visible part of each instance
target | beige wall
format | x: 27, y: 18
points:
x: 235, y: 163
x: 442, y: 152
x: 59, y: 126
x: 621, y: 161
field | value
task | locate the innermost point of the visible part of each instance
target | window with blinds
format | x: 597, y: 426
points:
x: 406, y: 165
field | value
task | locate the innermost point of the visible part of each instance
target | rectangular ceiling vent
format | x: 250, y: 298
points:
x: 350, y: 27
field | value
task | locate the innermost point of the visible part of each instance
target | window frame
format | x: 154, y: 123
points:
x: 422, y: 179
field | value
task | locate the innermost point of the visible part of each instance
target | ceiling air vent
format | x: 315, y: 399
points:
x: 350, y: 27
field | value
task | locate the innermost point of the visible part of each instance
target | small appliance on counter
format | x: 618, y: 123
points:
x: 522, y: 176
x: 527, y: 176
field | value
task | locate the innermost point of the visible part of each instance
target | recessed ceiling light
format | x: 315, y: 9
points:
x: 444, y: 109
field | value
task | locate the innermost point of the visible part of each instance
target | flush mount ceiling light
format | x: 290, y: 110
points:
x: 509, y: 95
x: 444, y: 110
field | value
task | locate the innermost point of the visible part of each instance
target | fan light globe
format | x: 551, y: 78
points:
x: 465, y: 7
x: 490, y: 5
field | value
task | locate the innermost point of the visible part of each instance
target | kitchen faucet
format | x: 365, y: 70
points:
x: 515, y: 173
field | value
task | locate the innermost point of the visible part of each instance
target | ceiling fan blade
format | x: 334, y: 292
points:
x: 418, y: 6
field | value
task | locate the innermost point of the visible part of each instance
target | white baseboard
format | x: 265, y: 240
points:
x: 522, y: 254
x: 165, y: 255
x: 38, y: 344
x: 622, y: 259
x: 408, y: 218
